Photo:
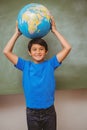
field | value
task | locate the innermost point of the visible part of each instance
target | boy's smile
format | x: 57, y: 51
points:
x: 38, y: 53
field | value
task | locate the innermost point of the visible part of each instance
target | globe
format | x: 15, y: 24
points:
x: 34, y: 20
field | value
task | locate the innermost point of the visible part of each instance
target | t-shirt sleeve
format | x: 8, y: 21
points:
x: 54, y: 62
x: 20, y: 64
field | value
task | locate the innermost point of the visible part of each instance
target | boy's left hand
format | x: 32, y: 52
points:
x: 53, y: 24
x: 17, y: 30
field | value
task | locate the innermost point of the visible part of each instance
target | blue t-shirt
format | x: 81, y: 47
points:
x: 38, y: 82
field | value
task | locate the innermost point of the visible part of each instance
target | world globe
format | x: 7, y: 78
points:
x: 34, y: 20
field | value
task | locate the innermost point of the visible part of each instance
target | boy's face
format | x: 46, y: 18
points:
x: 38, y: 53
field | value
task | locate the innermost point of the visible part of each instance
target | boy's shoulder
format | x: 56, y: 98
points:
x: 54, y: 61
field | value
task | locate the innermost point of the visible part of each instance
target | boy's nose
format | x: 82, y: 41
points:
x: 38, y: 51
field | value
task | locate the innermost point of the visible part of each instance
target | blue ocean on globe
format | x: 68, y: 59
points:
x: 34, y: 20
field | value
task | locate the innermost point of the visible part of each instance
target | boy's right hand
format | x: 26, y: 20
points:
x: 18, y: 32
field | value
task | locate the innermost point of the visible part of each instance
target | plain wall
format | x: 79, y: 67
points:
x: 71, y: 21
x: 71, y: 108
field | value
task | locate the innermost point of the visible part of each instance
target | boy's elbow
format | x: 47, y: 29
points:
x: 69, y: 48
x: 5, y: 52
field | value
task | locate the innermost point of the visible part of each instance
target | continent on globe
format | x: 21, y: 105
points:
x: 34, y: 20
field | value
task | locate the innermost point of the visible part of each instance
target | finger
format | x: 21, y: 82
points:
x: 16, y: 22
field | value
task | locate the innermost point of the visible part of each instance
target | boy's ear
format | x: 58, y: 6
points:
x: 46, y: 52
x: 29, y: 53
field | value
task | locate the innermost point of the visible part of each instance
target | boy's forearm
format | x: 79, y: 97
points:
x: 61, y: 55
x: 9, y: 47
x: 64, y: 43
x: 11, y: 43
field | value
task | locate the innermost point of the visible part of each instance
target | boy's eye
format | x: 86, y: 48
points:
x: 41, y: 49
x: 34, y: 49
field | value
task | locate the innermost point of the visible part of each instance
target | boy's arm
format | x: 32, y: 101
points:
x: 10, y: 45
x: 65, y: 45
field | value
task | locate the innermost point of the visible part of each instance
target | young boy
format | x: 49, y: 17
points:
x: 38, y: 78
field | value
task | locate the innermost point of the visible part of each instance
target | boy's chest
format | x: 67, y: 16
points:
x: 37, y: 71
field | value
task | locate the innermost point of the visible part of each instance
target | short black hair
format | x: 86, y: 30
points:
x: 39, y: 41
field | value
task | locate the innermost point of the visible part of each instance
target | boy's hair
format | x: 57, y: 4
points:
x: 37, y: 41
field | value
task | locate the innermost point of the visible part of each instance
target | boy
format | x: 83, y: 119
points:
x: 38, y: 78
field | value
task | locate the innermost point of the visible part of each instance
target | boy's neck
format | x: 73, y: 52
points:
x: 38, y: 62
